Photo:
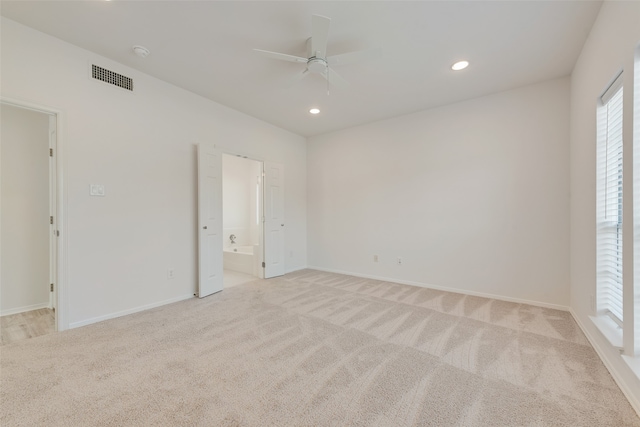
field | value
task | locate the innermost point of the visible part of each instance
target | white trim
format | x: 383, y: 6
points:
x: 608, y: 363
x: 62, y: 270
x: 612, y: 87
x: 609, y: 329
x: 129, y: 311
x: 53, y: 191
x: 61, y: 206
x: 447, y: 289
x: 24, y: 309
x: 28, y: 106
x: 634, y: 365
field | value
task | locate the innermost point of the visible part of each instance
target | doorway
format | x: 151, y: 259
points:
x: 212, y: 239
x: 242, y: 226
x: 28, y: 228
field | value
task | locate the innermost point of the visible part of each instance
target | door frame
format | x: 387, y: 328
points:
x: 262, y: 162
x: 59, y: 268
x: 53, y: 227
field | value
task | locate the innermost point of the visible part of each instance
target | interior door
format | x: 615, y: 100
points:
x: 210, y: 278
x: 274, y: 220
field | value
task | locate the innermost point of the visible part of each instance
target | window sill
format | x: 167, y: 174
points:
x: 633, y: 363
x: 610, y: 329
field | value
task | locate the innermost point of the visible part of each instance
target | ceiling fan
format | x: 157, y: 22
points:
x: 318, y: 62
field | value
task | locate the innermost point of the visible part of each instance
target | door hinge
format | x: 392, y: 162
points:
x: 52, y: 287
x: 263, y: 264
x: 50, y: 152
x: 51, y: 220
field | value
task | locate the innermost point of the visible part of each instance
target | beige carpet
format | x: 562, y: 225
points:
x: 316, y: 349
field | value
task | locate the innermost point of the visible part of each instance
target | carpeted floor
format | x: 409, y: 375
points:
x: 316, y: 349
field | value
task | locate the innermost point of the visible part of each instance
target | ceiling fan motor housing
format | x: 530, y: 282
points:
x: 317, y: 65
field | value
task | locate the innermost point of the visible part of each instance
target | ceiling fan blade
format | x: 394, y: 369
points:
x: 319, y: 35
x: 351, y: 57
x: 334, y: 78
x: 281, y: 56
x: 297, y: 78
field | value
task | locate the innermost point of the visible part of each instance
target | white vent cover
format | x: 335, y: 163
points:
x: 111, y: 77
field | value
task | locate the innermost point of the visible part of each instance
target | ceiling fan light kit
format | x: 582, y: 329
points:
x: 317, y: 65
x: 318, y: 62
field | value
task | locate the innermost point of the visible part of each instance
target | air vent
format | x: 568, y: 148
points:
x: 110, y: 77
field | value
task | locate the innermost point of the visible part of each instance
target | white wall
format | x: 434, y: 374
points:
x: 141, y: 147
x: 609, y: 48
x: 239, y: 177
x: 473, y: 196
x: 24, y: 147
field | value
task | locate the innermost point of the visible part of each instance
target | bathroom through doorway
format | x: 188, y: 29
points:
x: 242, y: 219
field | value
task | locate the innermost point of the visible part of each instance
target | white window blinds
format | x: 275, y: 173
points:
x: 609, y: 202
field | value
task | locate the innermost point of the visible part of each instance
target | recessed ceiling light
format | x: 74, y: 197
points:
x: 314, y: 111
x: 460, y: 65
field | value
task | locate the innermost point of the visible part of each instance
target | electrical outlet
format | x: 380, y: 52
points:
x: 170, y: 273
x: 96, y: 190
x: 375, y: 258
x: 399, y: 261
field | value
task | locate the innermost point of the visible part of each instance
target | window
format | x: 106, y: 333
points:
x: 636, y: 212
x: 609, y: 202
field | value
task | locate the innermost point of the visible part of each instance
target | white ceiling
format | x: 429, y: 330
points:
x: 206, y: 47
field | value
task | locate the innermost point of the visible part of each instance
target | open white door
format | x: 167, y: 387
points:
x: 274, y: 220
x: 210, y: 278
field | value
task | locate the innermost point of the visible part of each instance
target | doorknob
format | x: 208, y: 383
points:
x: 204, y: 228
x: 281, y: 225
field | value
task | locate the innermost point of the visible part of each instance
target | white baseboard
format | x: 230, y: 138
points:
x: 129, y: 311
x: 447, y: 289
x: 24, y: 309
x: 618, y: 377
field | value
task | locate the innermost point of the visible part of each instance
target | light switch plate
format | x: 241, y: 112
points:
x: 96, y: 190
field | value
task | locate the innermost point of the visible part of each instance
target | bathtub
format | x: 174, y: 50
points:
x: 239, y: 258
